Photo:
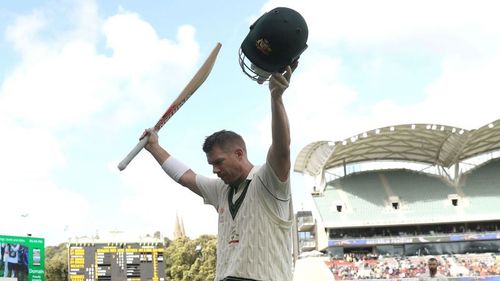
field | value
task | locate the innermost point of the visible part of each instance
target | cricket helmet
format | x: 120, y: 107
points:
x: 275, y: 40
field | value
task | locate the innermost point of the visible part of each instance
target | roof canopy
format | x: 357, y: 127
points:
x: 429, y: 144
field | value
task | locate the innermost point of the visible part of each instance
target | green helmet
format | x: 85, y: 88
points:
x: 275, y: 40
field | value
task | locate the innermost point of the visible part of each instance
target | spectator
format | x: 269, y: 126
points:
x: 11, y: 258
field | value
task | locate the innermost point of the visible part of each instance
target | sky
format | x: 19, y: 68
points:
x: 80, y: 80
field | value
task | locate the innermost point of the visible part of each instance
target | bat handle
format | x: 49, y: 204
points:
x: 124, y: 163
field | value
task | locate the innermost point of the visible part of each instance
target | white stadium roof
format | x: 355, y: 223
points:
x: 431, y: 144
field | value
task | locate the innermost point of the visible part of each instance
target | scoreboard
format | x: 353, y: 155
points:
x: 119, y: 261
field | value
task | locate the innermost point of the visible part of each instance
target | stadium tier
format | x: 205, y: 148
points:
x: 403, y: 191
x: 406, y: 197
x: 481, y: 188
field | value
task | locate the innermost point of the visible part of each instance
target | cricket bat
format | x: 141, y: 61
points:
x: 197, y: 80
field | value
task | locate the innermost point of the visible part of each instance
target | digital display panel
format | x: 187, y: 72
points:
x: 22, y: 258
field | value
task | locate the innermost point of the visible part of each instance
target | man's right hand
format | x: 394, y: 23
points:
x: 153, y: 139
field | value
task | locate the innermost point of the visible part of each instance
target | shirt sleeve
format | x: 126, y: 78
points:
x: 274, y: 193
x: 210, y: 189
x: 280, y: 190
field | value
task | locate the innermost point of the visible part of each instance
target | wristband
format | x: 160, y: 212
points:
x: 174, y: 168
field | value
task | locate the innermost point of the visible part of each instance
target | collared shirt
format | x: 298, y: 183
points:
x: 427, y: 277
x: 256, y: 243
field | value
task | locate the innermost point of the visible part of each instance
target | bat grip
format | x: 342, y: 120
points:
x: 124, y: 163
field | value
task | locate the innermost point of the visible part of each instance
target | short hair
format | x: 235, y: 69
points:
x: 432, y: 259
x: 224, y: 139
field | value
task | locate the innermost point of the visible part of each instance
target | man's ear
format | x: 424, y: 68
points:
x: 239, y: 153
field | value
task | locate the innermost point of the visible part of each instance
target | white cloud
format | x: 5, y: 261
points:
x: 35, y: 203
x: 460, y: 37
x: 66, y: 85
x: 465, y: 94
x: 28, y: 152
x: 400, y: 24
x: 154, y: 199
x: 137, y: 49
x: 70, y: 82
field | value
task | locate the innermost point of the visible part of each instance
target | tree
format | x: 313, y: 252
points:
x: 191, y: 260
x: 56, y: 262
x: 204, y: 266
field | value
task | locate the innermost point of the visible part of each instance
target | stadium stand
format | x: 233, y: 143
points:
x: 388, y: 199
x: 481, y: 187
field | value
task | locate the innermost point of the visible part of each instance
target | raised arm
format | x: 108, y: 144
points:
x: 187, y: 179
x: 278, y: 155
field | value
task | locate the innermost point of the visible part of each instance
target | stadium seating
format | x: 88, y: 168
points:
x: 365, y: 197
x: 482, y: 188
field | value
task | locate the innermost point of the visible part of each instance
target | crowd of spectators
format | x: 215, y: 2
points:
x: 360, y: 266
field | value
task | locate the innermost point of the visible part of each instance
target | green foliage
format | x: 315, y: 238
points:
x: 56, y: 263
x: 191, y: 260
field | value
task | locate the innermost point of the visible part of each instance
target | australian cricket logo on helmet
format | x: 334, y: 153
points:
x: 275, y: 40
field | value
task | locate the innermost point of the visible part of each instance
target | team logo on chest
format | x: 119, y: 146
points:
x: 234, y: 237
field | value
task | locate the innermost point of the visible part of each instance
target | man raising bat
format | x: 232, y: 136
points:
x: 253, y: 202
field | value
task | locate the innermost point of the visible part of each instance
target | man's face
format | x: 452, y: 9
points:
x: 225, y: 164
x: 433, y: 265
